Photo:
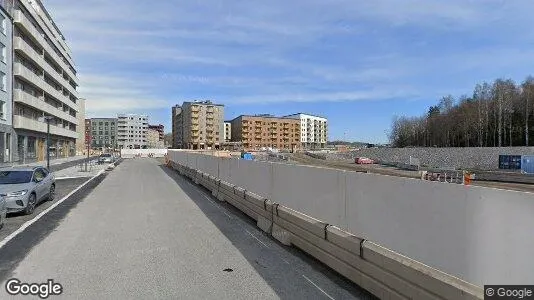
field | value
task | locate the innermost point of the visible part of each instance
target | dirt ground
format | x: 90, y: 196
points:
x: 302, y: 159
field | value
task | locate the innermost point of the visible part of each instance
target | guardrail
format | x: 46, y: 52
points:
x: 383, y: 272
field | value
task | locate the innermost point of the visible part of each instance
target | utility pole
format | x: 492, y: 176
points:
x: 48, y: 119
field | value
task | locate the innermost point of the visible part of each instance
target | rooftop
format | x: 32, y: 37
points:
x: 304, y: 114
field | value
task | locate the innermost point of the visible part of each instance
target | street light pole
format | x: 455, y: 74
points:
x: 48, y: 118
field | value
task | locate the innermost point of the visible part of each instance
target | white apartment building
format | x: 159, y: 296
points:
x: 314, y: 130
x: 8, y: 136
x: 44, y: 84
x: 132, y: 131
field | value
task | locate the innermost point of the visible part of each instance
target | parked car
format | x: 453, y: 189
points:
x: 3, y: 210
x: 24, y: 188
x: 106, y: 158
x: 364, y: 160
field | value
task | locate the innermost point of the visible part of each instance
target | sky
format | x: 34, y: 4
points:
x: 358, y: 63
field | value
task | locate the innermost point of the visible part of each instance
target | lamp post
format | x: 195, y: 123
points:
x: 48, y: 119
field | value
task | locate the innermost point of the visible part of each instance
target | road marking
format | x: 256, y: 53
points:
x: 30, y: 222
x: 227, y: 215
x: 257, y: 239
x: 284, y: 260
x: 71, y: 177
x: 320, y: 289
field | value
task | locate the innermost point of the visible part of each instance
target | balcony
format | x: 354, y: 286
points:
x: 195, y: 108
x: 60, y: 44
x: 195, y: 128
x: 27, y: 99
x: 28, y: 75
x: 20, y: 122
x: 21, y: 19
x: 37, y: 58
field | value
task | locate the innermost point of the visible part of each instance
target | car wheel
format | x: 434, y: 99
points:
x: 52, y: 193
x: 30, y: 207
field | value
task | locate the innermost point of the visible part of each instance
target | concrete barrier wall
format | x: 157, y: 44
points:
x: 481, y: 235
x: 129, y: 153
x: 383, y: 272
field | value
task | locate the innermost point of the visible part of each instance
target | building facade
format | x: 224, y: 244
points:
x: 265, y: 131
x: 44, y: 84
x: 177, y: 127
x: 104, y: 133
x: 8, y: 145
x: 153, y: 139
x: 160, y: 129
x: 132, y: 131
x: 227, y: 131
x: 198, y: 125
x: 80, y: 141
x: 314, y: 130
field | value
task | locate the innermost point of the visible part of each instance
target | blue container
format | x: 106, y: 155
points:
x: 510, y: 162
x: 248, y: 156
x: 527, y: 164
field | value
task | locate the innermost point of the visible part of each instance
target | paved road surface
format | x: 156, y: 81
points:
x: 147, y: 233
x: 14, y: 221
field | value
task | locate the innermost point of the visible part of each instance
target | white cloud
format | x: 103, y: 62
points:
x: 109, y: 95
x: 277, y: 43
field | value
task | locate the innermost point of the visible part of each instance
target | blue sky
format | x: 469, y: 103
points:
x: 359, y: 63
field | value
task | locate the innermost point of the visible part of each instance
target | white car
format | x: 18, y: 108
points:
x: 3, y: 211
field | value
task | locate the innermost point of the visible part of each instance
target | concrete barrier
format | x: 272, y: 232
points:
x: 130, y: 153
x: 381, y: 271
x: 402, y: 214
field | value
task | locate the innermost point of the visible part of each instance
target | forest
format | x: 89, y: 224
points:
x: 497, y: 114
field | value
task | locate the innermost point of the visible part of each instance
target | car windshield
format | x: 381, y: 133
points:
x: 15, y: 177
x: 105, y: 155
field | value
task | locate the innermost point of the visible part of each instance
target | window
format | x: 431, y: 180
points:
x: 2, y: 110
x: 3, y: 26
x: 3, y: 52
x: 3, y: 81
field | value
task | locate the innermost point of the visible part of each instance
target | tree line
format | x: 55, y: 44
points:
x: 498, y: 114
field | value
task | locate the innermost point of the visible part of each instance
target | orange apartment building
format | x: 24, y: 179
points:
x: 256, y: 132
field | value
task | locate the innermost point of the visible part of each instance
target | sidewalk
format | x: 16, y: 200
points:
x: 78, y: 171
x: 53, y: 162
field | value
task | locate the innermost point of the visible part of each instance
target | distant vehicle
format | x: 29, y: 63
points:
x: 3, y: 210
x: 106, y: 158
x: 24, y: 188
x: 363, y: 161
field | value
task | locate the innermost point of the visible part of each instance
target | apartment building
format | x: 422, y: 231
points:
x: 177, y: 127
x: 266, y: 131
x: 104, y: 133
x: 8, y: 145
x: 160, y: 129
x: 227, y: 131
x: 198, y: 125
x: 132, y: 131
x: 314, y: 130
x: 80, y: 140
x: 44, y: 84
x: 153, y: 139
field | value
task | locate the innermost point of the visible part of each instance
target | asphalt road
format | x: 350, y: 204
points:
x: 14, y: 221
x: 147, y: 233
